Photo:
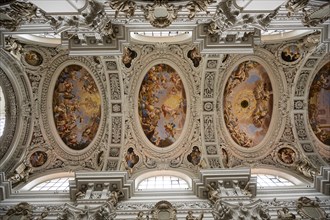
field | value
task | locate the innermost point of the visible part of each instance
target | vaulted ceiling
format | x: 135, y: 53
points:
x: 164, y: 85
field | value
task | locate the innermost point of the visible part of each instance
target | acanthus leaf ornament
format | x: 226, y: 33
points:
x: 127, y: 7
x: 195, y: 6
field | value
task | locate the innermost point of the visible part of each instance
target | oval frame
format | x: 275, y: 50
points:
x: 50, y: 158
x: 145, y: 70
x: 280, y: 50
x: 322, y: 148
x: 275, y: 127
x: 48, y: 124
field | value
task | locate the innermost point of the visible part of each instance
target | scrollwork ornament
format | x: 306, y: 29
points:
x: 309, y: 209
x: 286, y: 154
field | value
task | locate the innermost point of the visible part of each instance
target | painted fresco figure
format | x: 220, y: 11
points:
x: 195, y: 56
x: 38, y: 158
x: 128, y: 56
x: 195, y: 156
x: 131, y: 159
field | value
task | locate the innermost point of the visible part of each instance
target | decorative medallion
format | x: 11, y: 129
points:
x: 195, y: 56
x: 160, y: 14
x: 128, y: 56
x: 286, y: 155
x: 309, y: 209
x: 248, y: 102
x: 33, y: 58
x: 319, y: 104
x: 38, y: 158
x: 76, y: 107
x: 131, y: 158
x: 195, y: 156
x: 162, y: 105
x: 291, y: 53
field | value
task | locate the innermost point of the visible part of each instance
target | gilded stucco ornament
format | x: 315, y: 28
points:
x: 160, y: 14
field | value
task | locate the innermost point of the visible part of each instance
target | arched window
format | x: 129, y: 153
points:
x: 162, y: 182
x: 58, y: 184
x: 264, y: 180
x: 2, y: 112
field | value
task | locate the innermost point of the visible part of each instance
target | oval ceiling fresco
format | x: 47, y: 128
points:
x: 319, y: 104
x: 248, y: 102
x: 76, y: 107
x: 162, y: 105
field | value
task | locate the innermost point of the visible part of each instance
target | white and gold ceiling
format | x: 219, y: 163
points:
x: 165, y: 85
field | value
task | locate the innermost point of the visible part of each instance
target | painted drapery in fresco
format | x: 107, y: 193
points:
x: 76, y: 107
x: 248, y: 103
x: 162, y: 105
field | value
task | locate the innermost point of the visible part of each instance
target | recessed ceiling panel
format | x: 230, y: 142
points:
x: 319, y: 104
x: 76, y: 107
x: 248, y: 102
x: 162, y: 105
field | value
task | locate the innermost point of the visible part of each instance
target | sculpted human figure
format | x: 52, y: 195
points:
x: 190, y: 216
x: 285, y: 214
x: 212, y: 193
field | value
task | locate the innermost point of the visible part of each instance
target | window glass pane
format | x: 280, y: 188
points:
x: 55, y: 184
x: 270, y: 180
x: 2, y: 112
x: 162, y: 182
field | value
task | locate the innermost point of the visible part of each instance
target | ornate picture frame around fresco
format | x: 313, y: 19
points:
x: 39, y: 158
x: 290, y: 54
x: 33, y: 57
x: 76, y: 106
x: 162, y: 105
